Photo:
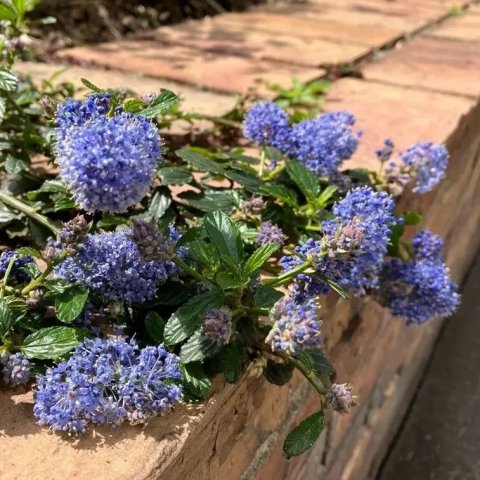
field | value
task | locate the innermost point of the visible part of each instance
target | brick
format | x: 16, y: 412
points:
x: 433, y: 63
x: 235, y: 39
x: 340, y: 31
x: 403, y: 114
x: 205, y: 69
x: 465, y: 27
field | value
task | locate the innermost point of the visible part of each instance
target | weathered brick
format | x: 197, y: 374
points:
x: 465, y: 27
x: 206, y: 69
x: 439, y: 64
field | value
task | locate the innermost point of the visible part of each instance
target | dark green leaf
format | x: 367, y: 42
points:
x: 316, y: 361
x: 196, y: 383
x: 8, y: 81
x: 231, y: 363
x: 187, y: 318
x: 198, y: 348
x: 266, y: 296
x: 70, y: 303
x: 174, y: 175
x: 16, y: 304
x: 159, y: 205
x: 6, y: 318
x: 155, y: 326
x: 51, y: 342
x: 278, y: 373
x: 203, y: 252
x: 250, y: 182
x: 164, y: 103
x: 210, y: 200
x: 190, y: 235
x: 282, y: 193
x: 200, y: 162
x: 411, y: 218
x: 111, y: 220
x: 29, y: 251
x: 259, y: 257
x: 306, y: 181
x: 326, y: 195
x: 224, y: 235
x: 304, y: 435
x: 90, y: 85
x: 133, y: 105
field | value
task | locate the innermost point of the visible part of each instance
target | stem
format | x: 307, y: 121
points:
x: 5, y: 277
x: 314, y: 381
x: 29, y: 211
x: 262, y: 162
x: 38, y: 281
x: 285, y: 277
x: 180, y: 263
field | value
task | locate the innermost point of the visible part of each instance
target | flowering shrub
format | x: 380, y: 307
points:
x: 143, y: 290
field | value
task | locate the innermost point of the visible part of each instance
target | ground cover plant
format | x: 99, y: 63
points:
x: 133, y: 274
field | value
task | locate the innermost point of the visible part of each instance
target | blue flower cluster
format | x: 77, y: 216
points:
x: 18, y: 274
x: 270, y: 233
x: 323, y: 143
x: 320, y: 144
x: 16, y: 369
x: 107, y: 162
x: 107, y: 382
x: 340, y: 398
x: 421, y: 289
x: 267, y: 124
x: 296, y: 326
x: 424, y: 162
x: 353, y: 245
x: 111, y: 266
x: 217, y: 325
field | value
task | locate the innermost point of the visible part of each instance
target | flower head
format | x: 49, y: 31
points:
x: 73, y: 234
x: 270, y: 233
x: 427, y: 245
x: 18, y: 274
x: 254, y: 206
x: 16, y: 369
x: 296, y: 327
x: 323, y: 143
x: 108, y: 162
x: 107, y: 382
x: 267, y: 124
x: 217, y: 325
x: 110, y: 265
x: 340, y: 399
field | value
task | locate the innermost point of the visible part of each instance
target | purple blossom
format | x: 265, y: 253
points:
x: 16, y: 369
x: 270, y: 233
x: 18, y: 274
x: 217, y: 325
x: 340, y: 399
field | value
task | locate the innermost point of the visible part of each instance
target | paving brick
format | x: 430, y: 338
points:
x: 465, y: 27
x: 235, y: 39
x: 205, y: 69
x: 337, y: 30
x: 403, y: 114
x: 440, y: 64
x: 193, y: 99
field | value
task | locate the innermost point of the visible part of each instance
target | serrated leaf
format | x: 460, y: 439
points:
x: 231, y: 363
x: 29, y: 251
x: 316, y: 361
x: 155, y: 326
x: 210, y: 200
x: 266, y: 296
x: 278, y: 373
x: 250, y: 182
x: 196, y: 383
x: 198, y: 348
x: 225, y: 235
x: 16, y: 164
x: 16, y: 304
x: 200, y: 162
x: 8, y: 81
x: 304, y: 435
x: 282, y: 193
x: 174, y: 175
x: 6, y: 318
x: 51, y: 342
x: 159, y: 205
x: 306, y: 181
x: 3, y: 108
x: 163, y: 104
x: 133, y: 105
x: 70, y: 303
x: 187, y: 319
x: 326, y: 195
x: 259, y: 257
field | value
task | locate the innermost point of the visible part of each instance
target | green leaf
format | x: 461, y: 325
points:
x: 282, y: 193
x: 90, y: 85
x: 411, y: 218
x: 193, y: 233
x: 6, y: 318
x: 259, y: 257
x: 250, y: 182
x: 316, y: 361
x: 210, y: 200
x: 174, y: 175
x: 187, y: 319
x: 198, y: 348
x: 3, y: 108
x: 155, y: 326
x: 278, y: 373
x: 326, y: 195
x: 224, y: 235
x: 304, y: 435
x: 16, y: 304
x: 70, y: 303
x: 8, y: 81
x: 203, y: 252
x: 200, y: 162
x: 164, y: 103
x: 51, y: 342
x: 159, y: 205
x: 6, y: 13
x: 29, y: 251
x: 196, y: 383
x: 133, y: 105
x: 231, y: 363
x: 266, y: 296
x: 306, y: 181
